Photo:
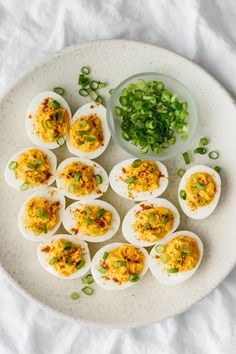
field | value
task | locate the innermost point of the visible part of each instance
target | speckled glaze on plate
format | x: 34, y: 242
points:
x: 148, y: 301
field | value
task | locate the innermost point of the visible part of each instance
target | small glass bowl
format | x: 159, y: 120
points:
x: 175, y: 87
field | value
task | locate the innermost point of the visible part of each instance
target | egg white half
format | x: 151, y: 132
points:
x: 69, y: 220
x: 30, y: 116
x: 130, y: 219
x: 50, y: 269
x: 86, y: 110
x: 121, y: 188
x: 205, y: 211
x: 98, y: 169
x: 157, y: 268
x: 52, y: 194
x: 16, y: 183
x: 109, y: 284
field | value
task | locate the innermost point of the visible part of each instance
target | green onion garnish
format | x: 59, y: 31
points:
x: 217, y: 169
x: 61, y: 141
x: 111, y: 91
x: 67, y: 245
x: 146, y: 226
x: 134, y: 277
x: 152, y: 217
x: 58, y: 116
x: 200, y: 150
x: 74, y: 296
x: 88, y: 279
x: 136, y: 163
x: 105, y: 255
x: 119, y: 263
x: 43, y: 214
x: 24, y: 187
x: 159, y: 248
x: 172, y: 270
x: 182, y: 194
x: 203, y: 141
x: 200, y: 186
x: 89, y: 138
x: 94, y: 85
x: 13, y: 165
x: 83, y: 92
x: 71, y: 188
x: 77, y: 176
x: 80, y: 264
x: 131, y: 179
x: 59, y: 90
x: 54, y: 104
x: 45, y: 228
x: 83, y: 124
x: 186, y: 158
x: 101, y: 270
x: 53, y: 260
x: 85, y: 70
x: 164, y: 258
x: 181, y: 172
x: 213, y: 155
x: 100, y: 213
x: 49, y: 123
x: 87, y: 290
x: 88, y: 221
x: 99, y: 99
x: 98, y: 179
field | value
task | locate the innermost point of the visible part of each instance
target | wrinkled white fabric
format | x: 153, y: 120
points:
x: 201, y: 30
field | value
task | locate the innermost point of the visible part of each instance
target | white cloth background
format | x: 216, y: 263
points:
x: 201, y: 30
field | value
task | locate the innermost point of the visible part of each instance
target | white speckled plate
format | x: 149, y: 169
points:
x: 148, y: 301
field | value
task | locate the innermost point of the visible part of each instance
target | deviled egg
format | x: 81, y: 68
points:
x: 81, y: 179
x: 41, y: 214
x: 94, y: 221
x: 148, y: 222
x: 47, y: 120
x: 118, y: 266
x: 199, y: 191
x: 88, y: 133
x: 31, y: 169
x: 176, y: 258
x: 139, y: 179
x: 64, y: 256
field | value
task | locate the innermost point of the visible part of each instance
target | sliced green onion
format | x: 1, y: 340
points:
x: 45, y: 228
x: 61, y: 141
x: 200, y: 150
x: 159, y: 248
x: 54, y: 104
x: 164, y: 258
x: 74, y: 296
x: 83, y: 92
x: 111, y: 91
x: 99, y: 99
x: 83, y: 124
x: 43, y: 214
x: 105, y: 255
x: 80, y: 132
x: 134, y: 277
x: 83, y: 80
x: 98, y: 179
x: 213, y: 155
x: 119, y: 264
x: 131, y: 179
x: 13, y: 165
x: 80, y: 264
x: 77, y: 176
x: 89, y: 138
x: 146, y: 226
x: 181, y: 172
x: 136, y: 163
x: 93, y: 85
x: 55, y: 135
x: 203, y: 141
x: 24, y: 187
x: 102, y: 85
x: 59, y: 90
x: 88, y: 221
x: 184, y: 250
x: 85, y: 70
x: 186, y: 158
x: 101, y: 270
x: 200, y: 186
x: 87, y: 290
x: 58, y: 116
x: 71, y: 188
x: 217, y: 169
x: 182, y: 194
x: 87, y: 210
x: 53, y: 260
x: 49, y: 123
x: 88, y: 279
x: 118, y: 111
x: 100, y: 213
x: 152, y: 217
x: 67, y: 245
x: 172, y: 270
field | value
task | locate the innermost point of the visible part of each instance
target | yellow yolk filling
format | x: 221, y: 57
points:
x: 92, y: 221
x: 50, y: 123
x: 41, y: 215
x: 200, y: 190
x: 153, y: 223
x: 133, y: 260
x: 64, y: 256
x: 79, y: 178
x: 180, y: 254
x: 33, y: 167
x: 86, y: 133
x: 145, y: 177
